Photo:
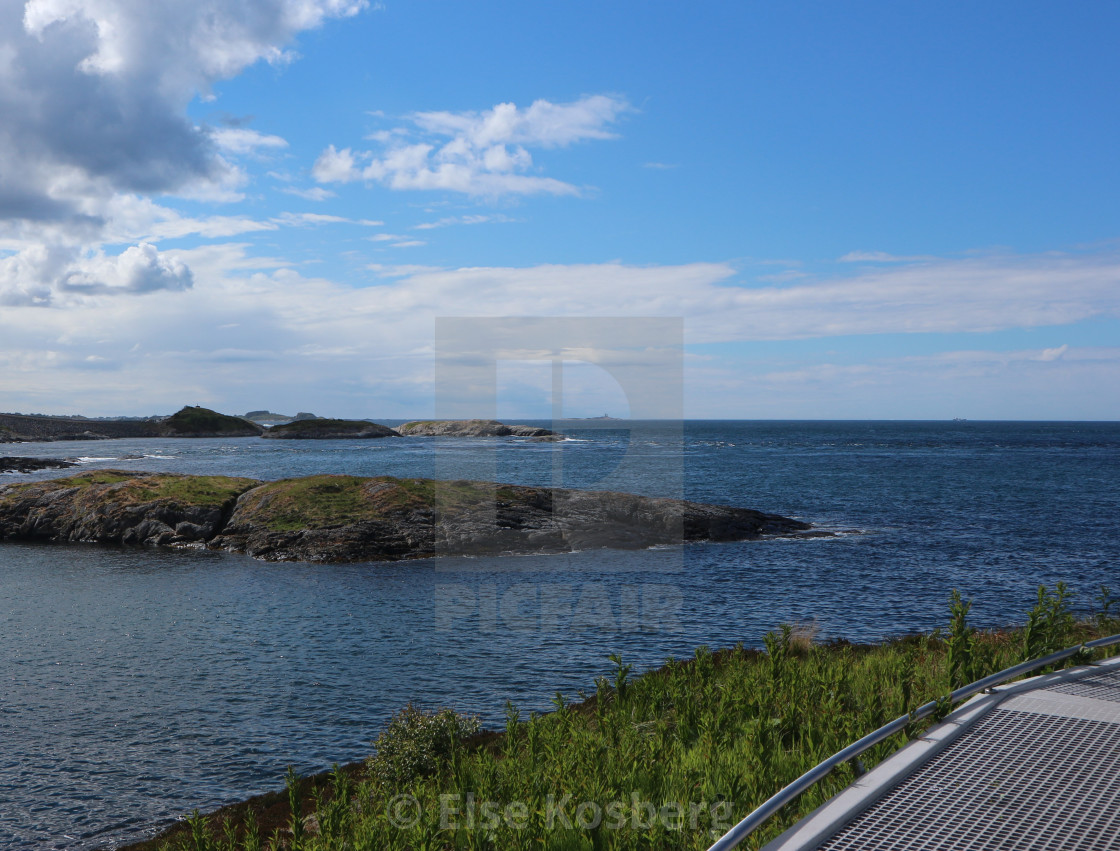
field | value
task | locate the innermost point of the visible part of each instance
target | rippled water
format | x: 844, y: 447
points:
x: 137, y: 685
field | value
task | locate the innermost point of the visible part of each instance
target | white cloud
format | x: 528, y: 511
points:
x: 396, y: 240
x: 334, y: 166
x: 542, y: 124
x: 382, y: 270
x: 1053, y: 354
x: 880, y: 257
x: 132, y: 218
x: 41, y: 276
x: 315, y: 193
x: 96, y: 90
x: 475, y: 219
x: 139, y: 269
x: 241, y: 140
x: 307, y: 219
x: 476, y: 153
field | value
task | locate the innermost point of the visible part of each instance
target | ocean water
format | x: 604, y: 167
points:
x: 137, y: 685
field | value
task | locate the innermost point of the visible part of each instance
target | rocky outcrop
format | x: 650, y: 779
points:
x: 30, y: 465
x: 346, y: 518
x: 322, y: 429
x: 470, y: 428
x: 109, y: 506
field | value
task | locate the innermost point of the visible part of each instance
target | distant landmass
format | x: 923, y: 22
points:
x: 196, y: 421
x: 268, y: 418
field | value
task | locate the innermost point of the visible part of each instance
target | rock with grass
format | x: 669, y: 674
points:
x: 117, y: 507
x: 324, y: 429
x: 347, y: 518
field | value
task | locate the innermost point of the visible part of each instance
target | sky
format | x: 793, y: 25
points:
x: 857, y: 211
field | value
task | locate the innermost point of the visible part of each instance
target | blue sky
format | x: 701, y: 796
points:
x: 866, y: 210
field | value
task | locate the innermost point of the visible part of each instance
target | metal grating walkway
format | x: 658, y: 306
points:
x: 1035, y: 765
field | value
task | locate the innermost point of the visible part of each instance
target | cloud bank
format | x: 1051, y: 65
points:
x: 247, y: 326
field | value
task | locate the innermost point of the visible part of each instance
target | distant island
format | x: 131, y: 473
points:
x: 325, y: 429
x: 347, y: 518
x: 268, y: 418
x: 194, y: 421
x: 471, y: 428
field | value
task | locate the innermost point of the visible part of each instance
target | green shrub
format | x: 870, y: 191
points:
x: 417, y: 744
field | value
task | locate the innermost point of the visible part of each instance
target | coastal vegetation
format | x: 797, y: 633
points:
x: 668, y: 759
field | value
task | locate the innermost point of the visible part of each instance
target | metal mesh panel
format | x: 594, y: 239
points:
x: 1104, y: 686
x: 1016, y: 780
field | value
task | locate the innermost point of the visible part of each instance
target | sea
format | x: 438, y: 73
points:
x: 137, y: 685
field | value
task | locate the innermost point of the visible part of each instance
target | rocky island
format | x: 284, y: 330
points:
x: 470, y: 428
x: 347, y: 518
x: 324, y: 429
x: 193, y: 421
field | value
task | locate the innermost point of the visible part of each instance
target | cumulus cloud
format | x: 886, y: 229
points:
x: 93, y: 95
x: 41, y: 275
x: 476, y: 153
x: 94, y: 92
x: 139, y: 269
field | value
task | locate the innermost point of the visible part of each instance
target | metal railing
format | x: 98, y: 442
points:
x: 759, y: 816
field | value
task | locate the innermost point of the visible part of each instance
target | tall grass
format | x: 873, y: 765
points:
x: 669, y: 759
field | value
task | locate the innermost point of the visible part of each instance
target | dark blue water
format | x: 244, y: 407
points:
x: 138, y: 685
